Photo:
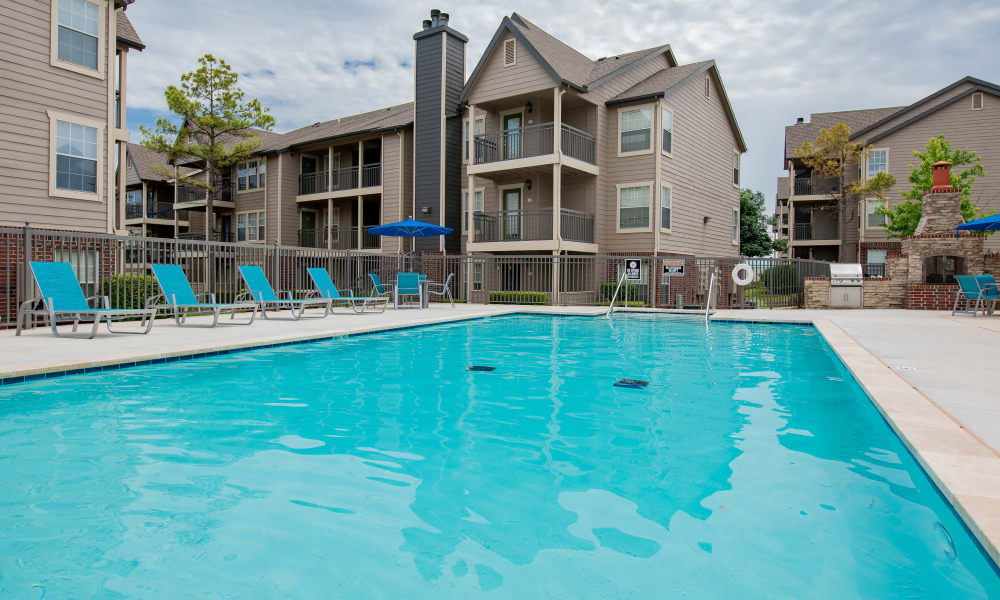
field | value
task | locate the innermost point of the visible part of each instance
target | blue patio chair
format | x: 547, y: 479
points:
x: 62, y: 298
x: 981, y: 293
x: 180, y: 299
x: 407, y: 284
x: 441, y: 289
x: 379, y: 288
x: 261, y: 292
x: 326, y: 289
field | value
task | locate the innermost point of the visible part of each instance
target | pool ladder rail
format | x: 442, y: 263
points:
x: 611, y: 307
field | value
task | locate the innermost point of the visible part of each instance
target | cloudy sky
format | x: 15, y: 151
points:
x: 313, y: 60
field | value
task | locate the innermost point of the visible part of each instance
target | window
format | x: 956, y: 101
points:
x: 873, y: 218
x: 665, y: 207
x: 977, y: 101
x: 877, y: 162
x: 467, y: 141
x: 76, y: 157
x: 876, y: 256
x: 250, y: 226
x: 668, y: 131
x: 509, y: 52
x: 477, y: 276
x: 736, y: 168
x: 633, y: 207
x: 133, y: 197
x: 784, y: 219
x: 636, y: 125
x: 250, y: 175
x: 736, y: 225
x: 78, y: 32
x: 84, y: 264
x: 477, y: 206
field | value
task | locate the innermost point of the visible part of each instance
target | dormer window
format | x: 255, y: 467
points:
x: 509, y: 52
x: 977, y: 101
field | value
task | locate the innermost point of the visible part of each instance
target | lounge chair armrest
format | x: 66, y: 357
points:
x: 244, y: 296
x: 346, y: 292
x: 105, y: 302
x: 308, y: 294
x: 158, y: 299
x: 209, y: 295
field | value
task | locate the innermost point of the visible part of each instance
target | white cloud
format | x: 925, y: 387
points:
x: 779, y: 60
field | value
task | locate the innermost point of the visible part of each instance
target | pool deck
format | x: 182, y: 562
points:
x: 930, y: 374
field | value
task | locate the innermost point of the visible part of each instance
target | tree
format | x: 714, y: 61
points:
x: 213, y: 113
x: 754, y: 224
x: 833, y: 155
x: 902, y: 219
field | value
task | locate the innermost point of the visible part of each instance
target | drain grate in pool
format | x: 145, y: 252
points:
x: 481, y: 368
x: 631, y: 383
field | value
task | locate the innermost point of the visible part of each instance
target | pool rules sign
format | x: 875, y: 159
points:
x: 673, y: 268
x: 633, y: 269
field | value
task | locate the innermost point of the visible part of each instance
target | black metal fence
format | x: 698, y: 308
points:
x: 509, y: 279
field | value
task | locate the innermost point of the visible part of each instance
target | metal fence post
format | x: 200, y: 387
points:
x: 25, y: 285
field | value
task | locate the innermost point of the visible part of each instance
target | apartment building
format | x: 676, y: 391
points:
x: 63, y: 66
x: 632, y: 153
x: 966, y: 112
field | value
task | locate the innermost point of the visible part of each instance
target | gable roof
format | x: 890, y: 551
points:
x: 144, y: 160
x: 126, y: 34
x: 800, y: 133
x: 979, y: 86
x: 985, y: 89
x: 382, y: 119
x: 562, y: 62
x: 666, y: 81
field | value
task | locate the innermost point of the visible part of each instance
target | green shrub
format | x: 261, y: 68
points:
x: 129, y: 291
x: 779, y: 276
x: 629, y: 291
x: 514, y: 297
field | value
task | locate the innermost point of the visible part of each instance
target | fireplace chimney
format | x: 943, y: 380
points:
x: 942, y: 178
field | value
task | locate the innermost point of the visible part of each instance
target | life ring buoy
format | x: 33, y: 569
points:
x: 742, y: 274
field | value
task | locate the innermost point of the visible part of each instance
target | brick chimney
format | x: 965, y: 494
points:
x: 942, y: 205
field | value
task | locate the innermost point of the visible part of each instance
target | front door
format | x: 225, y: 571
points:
x: 512, y: 214
x: 309, y: 238
x: 226, y: 227
x: 512, y: 124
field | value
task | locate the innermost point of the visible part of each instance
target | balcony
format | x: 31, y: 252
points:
x: 821, y: 231
x: 816, y: 186
x: 195, y: 196
x: 347, y: 178
x: 533, y: 141
x: 343, y: 238
x: 154, y: 210
x: 215, y: 236
x: 532, y: 224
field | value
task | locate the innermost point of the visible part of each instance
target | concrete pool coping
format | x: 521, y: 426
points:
x: 965, y: 468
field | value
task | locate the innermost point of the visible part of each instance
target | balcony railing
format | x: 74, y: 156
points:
x: 814, y: 186
x: 514, y: 143
x: 579, y: 144
x: 815, y: 231
x: 189, y: 193
x: 343, y: 238
x: 215, y: 236
x: 154, y: 210
x: 342, y: 179
x: 531, y: 224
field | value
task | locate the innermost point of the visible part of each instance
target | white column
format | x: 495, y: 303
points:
x: 329, y: 169
x: 144, y: 209
x: 557, y: 168
x: 177, y: 224
x: 361, y: 219
x: 329, y: 223
x: 470, y: 207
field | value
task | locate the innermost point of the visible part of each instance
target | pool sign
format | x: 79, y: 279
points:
x: 633, y: 269
x: 673, y: 267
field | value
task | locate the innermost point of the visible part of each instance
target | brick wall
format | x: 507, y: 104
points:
x: 930, y: 297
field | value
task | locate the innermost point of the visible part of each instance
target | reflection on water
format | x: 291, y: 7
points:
x: 380, y: 466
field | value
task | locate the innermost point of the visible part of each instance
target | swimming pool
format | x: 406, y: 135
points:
x: 751, y: 466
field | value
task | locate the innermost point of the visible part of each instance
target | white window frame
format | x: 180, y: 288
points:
x: 663, y: 147
x: 736, y: 226
x: 256, y: 178
x: 469, y: 135
x: 868, y: 156
x: 102, y: 39
x: 978, y: 95
x: 259, y: 238
x: 652, y: 129
x: 477, y: 275
x: 513, y: 43
x: 465, y: 206
x: 869, y: 202
x: 670, y: 190
x: 55, y: 116
x: 650, y: 186
x: 737, y: 168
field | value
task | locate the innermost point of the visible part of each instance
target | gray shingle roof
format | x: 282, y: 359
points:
x: 798, y: 134
x: 568, y: 63
x: 144, y: 161
x: 659, y: 82
x: 400, y: 115
x: 610, y: 64
x: 126, y: 33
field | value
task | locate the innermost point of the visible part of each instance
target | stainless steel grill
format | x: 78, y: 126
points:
x: 846, y: 285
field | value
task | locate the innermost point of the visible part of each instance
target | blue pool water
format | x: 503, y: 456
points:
x: 752, y: 466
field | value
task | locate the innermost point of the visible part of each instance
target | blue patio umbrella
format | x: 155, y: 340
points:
x: 991, y: 223
x: 410, y: 228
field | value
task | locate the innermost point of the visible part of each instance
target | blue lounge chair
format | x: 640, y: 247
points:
x: 326, y: 289
x: 179, y: 298
x: 407, y: 284
x: 980, y: 290
x: 263, y: 294
x: 379, y: 288
x: 62, y: 298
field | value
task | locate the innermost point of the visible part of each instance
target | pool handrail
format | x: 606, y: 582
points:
x: 261, y: 292
x: 62, y: 295
x: 180, y: 299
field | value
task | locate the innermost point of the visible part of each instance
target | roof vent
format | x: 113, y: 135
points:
x: 435, y: 17
x: 427, y: 24
x: 800, y: 120
x: 443, y: 19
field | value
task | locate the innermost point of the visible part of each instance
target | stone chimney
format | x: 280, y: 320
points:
x: 942, y: 205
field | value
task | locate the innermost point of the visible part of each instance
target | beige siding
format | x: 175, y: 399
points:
x: 497, y: 81
x: 274, y: 200
x: 965, y: 128
x: 289, y: 217
x: 699, y: 171
x: 909, y: 114
x: 29, y: 86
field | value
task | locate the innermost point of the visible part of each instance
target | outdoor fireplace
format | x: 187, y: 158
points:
x: 941, y: 269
